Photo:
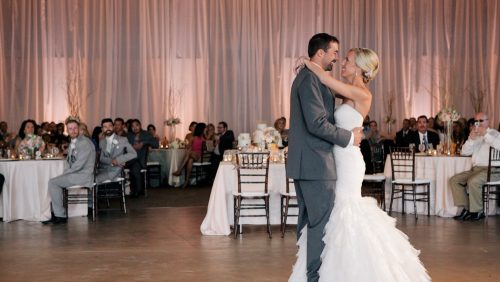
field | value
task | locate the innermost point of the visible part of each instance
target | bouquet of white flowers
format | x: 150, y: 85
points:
x: 172, y: 121
x: 448, y: 115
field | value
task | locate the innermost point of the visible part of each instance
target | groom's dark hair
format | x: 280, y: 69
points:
x: 320, y: 41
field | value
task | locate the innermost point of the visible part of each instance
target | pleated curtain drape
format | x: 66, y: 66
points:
x: 234, y: 60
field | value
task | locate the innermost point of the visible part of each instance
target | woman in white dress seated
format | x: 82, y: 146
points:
x: 361, y: 241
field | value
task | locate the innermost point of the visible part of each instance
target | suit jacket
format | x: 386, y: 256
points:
x: 226, y: 141
x: 414, y: 137
x: 148, y: 141
x: 121, y: 150
x: 312, y: 130
x: 81, y: 160
x: 401, y: 141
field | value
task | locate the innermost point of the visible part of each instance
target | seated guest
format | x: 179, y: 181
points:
x: 115, y: 152
x: 8, y: 138
x: 422, y: 135
x: 141, y: 140
x: 189, y: 136
x: 96, y: 136
x: 413, y: 124
x: 280, y: 126
x: 59, y: 138
x: 225, y: 139
x: 466, y: 187
x: 80, y: 170
x: 401, y: 135
x: 27, y: 138
x: 194, y: 152
x: 152, y: 130
x: 373, y: 135
x: 120, y: 127
x: 210, y: 137
x: 84, y: 130
x: 457, y: 135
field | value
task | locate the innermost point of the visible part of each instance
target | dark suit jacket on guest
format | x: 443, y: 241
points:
x: 147, y: 140
x: 312, y: 130
x: 401, y: 141
x: 226, y: 141
x: 414, y: 137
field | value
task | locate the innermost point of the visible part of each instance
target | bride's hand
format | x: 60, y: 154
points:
x: 316, y: 69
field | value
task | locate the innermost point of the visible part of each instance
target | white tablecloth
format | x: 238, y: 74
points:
x: 438, y: 169
x: 220, y: 206
x: 25, y: 192
x: 170, y: 160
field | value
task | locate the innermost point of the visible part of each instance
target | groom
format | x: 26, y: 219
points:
x: 310, y: 153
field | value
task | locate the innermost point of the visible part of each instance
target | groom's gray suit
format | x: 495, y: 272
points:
x: 121, y: 150
x: 81, y: 161
x: 310, y: 159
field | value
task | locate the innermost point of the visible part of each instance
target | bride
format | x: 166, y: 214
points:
x: 361, y: 241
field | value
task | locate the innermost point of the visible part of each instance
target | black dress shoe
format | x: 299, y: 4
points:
x: 476, y: 216
x: 56, y: 220
x: 462, y: 215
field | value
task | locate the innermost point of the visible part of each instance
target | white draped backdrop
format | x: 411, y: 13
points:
x: 233, y: 60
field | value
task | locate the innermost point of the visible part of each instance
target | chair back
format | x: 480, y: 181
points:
x: 493, y: 165
x: 377, y: 157
x: 253, y: 171
x: 205, y: 154
x: 402, y: 163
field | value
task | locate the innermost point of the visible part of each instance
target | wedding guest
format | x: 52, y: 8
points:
x: 224, y: 141
x: 27, y: 138
x: 413, y: 124
x: 152, y: 130
x: 403, y: 133
x: 194, y: 152
x: 128, y: 125
x: 84, y: 130
x: 431, y: 125
x: 280, y: 126
x: 3, y: 134
x: 120, y: 127
x: 466, y: 187
x: 189, y: 136
x: 80, y: 170
x: 96, y: 136
x: 422, y: 135
x: 373, y: 135
x: 141, y: 140
x: 457, y: 135
x: 210, y: 137
x: 59, y: 137
x: 115, y: 152
x: 366, y: 124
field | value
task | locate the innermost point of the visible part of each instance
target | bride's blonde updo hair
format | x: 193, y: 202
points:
x: 367, y: 60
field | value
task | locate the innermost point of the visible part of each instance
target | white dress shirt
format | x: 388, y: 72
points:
x: 109, y: 142
x: 479, y: 149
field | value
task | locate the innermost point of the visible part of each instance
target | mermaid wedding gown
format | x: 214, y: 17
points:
x: 362, y: 242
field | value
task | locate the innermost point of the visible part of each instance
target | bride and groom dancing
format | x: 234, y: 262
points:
x: 342, y: 236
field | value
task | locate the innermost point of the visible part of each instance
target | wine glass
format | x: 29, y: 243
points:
x: 412, y: 146
x: 421, y: 147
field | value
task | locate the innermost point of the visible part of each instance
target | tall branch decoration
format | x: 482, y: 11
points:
x: 447, y: 85
x: 477, y: 92
x: 172, y: 104
x: 389, y: 118
x: 75, y: 86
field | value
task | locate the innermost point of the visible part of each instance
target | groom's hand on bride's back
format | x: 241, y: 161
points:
x: 358, y: 135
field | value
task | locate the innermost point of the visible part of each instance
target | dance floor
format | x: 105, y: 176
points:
x: 165, y: 244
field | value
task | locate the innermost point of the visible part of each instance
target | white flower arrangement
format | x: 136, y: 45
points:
x: 172, y: 121
x: 448, y: 114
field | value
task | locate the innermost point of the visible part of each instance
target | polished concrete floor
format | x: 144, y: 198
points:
x: 164, y: 244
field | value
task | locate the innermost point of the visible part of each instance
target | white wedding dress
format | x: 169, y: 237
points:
x: 362, y: 242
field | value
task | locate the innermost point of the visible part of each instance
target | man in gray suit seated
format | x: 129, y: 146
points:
x: 80, y: 171
x: 115, y: 152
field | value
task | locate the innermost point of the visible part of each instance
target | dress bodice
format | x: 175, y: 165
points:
x: 347, y: 117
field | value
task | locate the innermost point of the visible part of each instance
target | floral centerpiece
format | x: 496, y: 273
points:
x: 448, y: 115
x: 30, y: 145
x: 172, y: 122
